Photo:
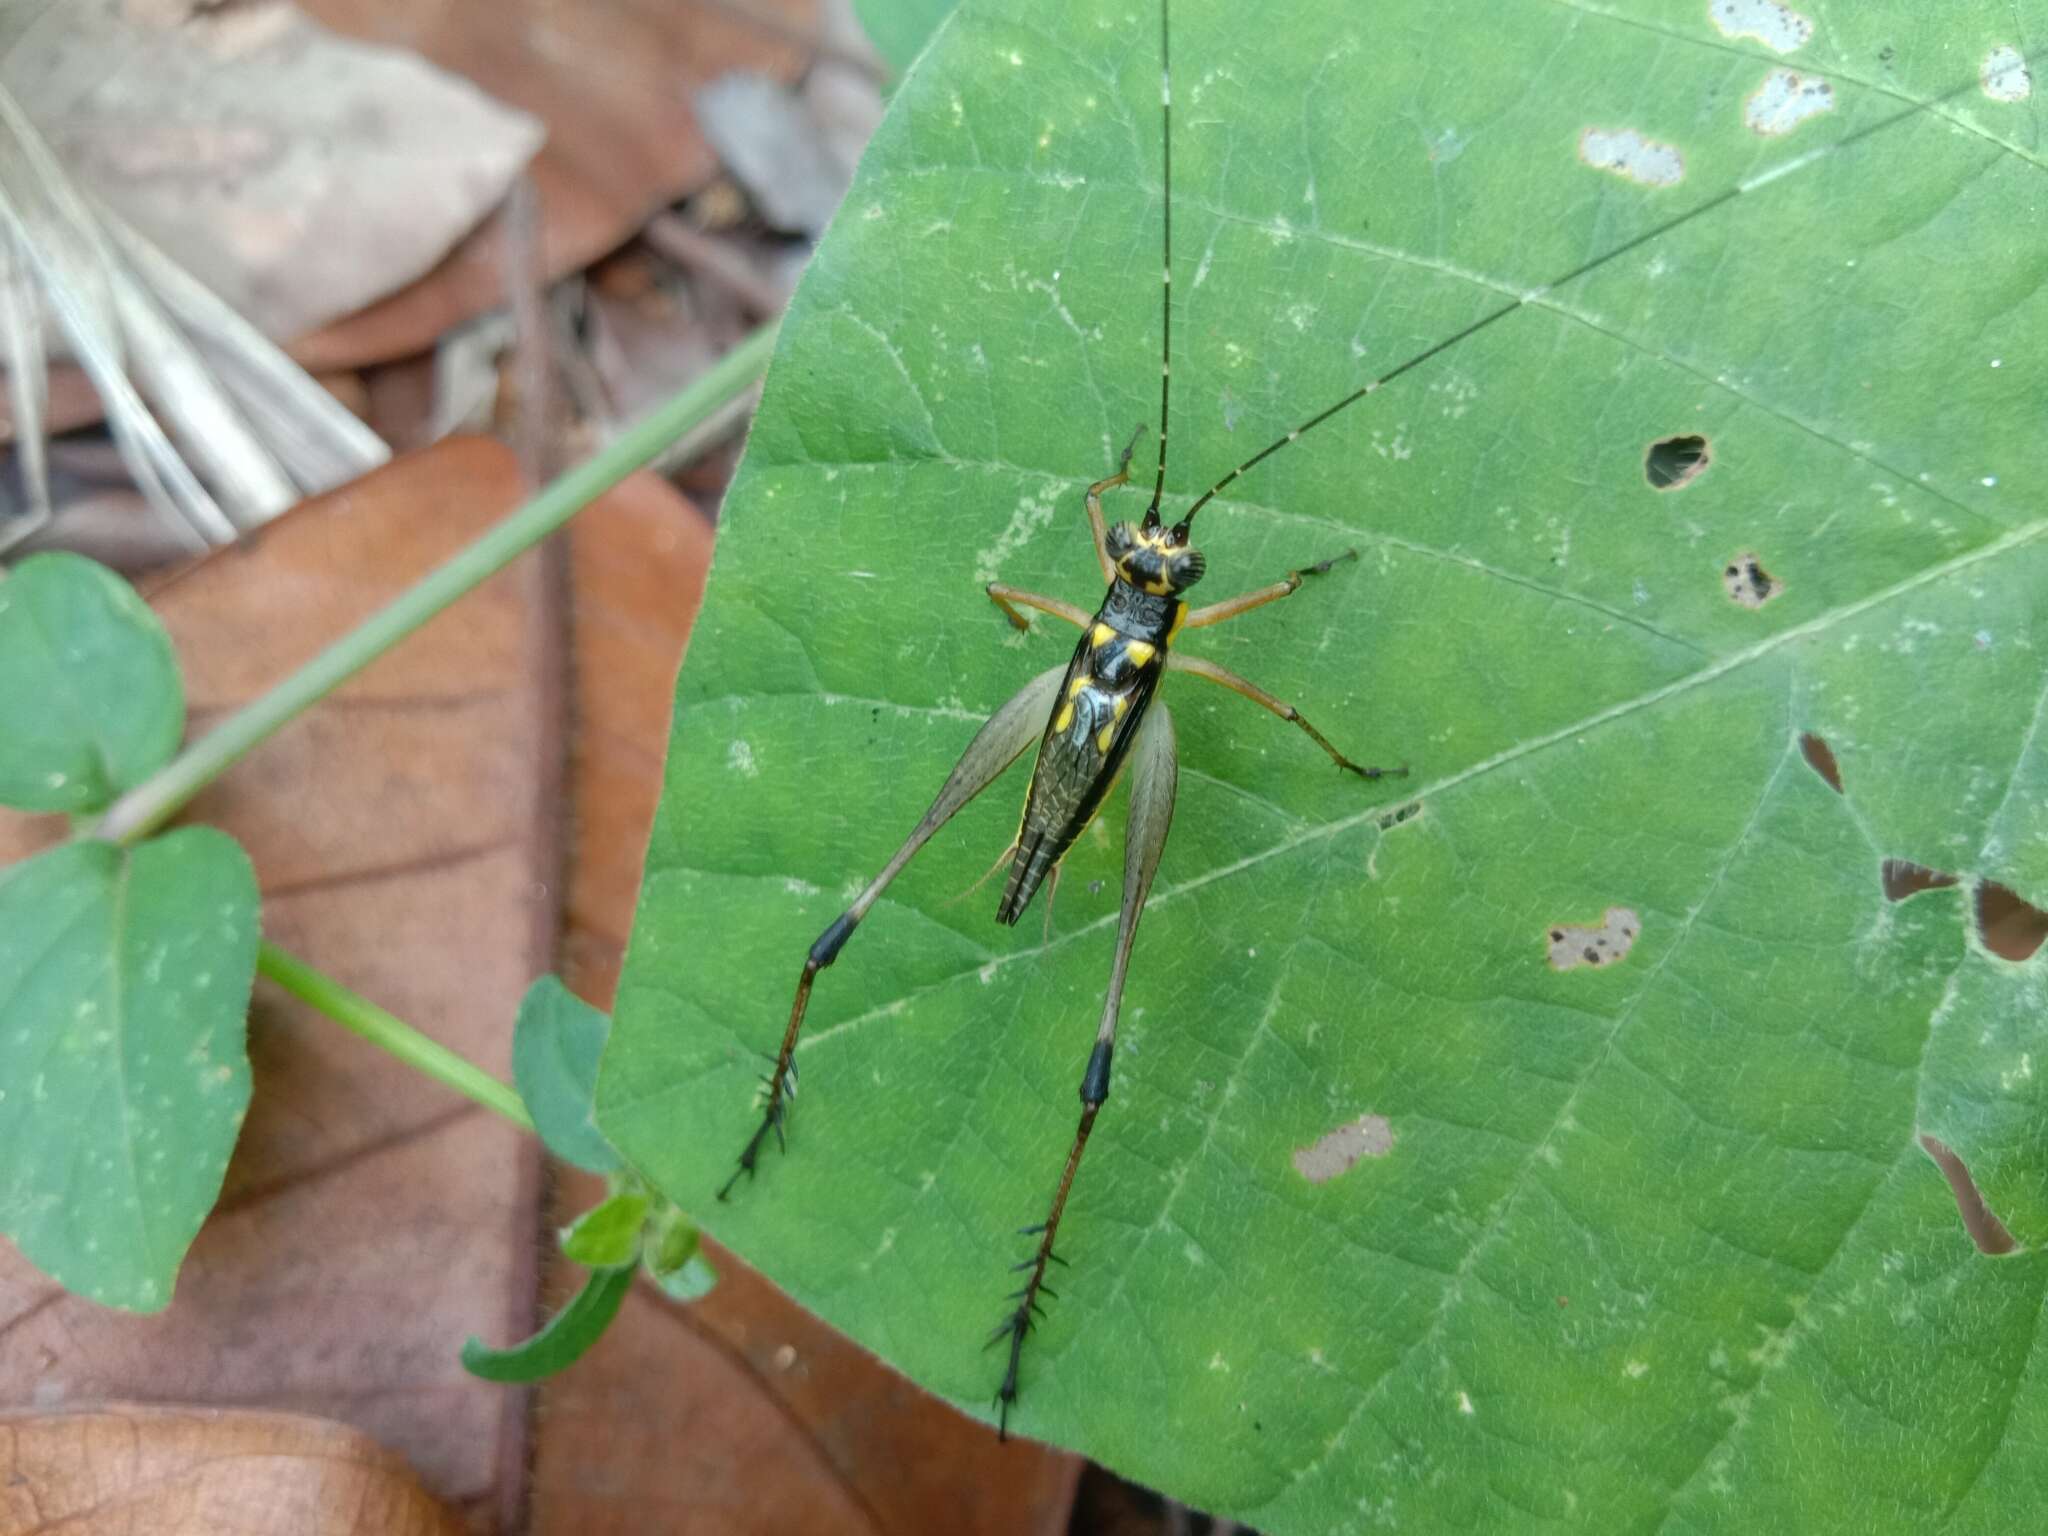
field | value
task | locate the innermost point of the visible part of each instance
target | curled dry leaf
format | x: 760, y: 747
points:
x: 188, y: 1471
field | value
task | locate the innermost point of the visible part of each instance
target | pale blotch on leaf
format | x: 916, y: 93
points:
x: 2005, y: 75
x: 1574, y: 946
x: 1778, y: 27
x: 1673, y: 463
x: 1338, y: 1151
x: 1784, y: 101
x: 1747, y: 583
x: 1632, y: 157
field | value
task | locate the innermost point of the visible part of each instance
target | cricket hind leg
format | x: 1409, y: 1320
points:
x: 1196, y: 666
x: 1154, y: 772
x: 999, y: 743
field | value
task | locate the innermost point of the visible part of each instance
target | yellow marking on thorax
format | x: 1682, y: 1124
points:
x: 1179, y: 619
x: 1104, y: 736
x: 1141, y: 652
x: 1079, y: 685
x: 1066, y: 717
x: 1101, y: 635
x: 1121, y: 703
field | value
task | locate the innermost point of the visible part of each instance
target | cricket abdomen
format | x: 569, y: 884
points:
x: 1107, y: 689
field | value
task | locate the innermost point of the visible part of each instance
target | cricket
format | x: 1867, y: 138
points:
x: 1093, y: 719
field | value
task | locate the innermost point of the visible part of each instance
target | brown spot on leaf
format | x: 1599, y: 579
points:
x: 1673, y: 463
x: 1983, y: 1225
x: 1572, y: 947
x: 1820, y: 757
x: 1338, y: 1151
x: 1748, y: 583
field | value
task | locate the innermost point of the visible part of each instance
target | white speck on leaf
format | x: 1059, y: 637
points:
x: 2005, y: 77
x: 1784, y: 101
x: 739, y: 758
x: 1778, y: 27
x: 1338, y: 1151
x: 1627, y: 154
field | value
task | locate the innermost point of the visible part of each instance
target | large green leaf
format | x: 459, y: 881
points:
x: 124, y: 988
x: 1402, y: 1210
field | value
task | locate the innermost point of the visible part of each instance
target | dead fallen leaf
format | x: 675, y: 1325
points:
x: 126, y: 1468
x: 616, y: 151
x: 741, y: 1413
x: 298, y: 174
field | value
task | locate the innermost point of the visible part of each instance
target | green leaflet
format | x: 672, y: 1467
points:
x: 555, y: 1046
x: 124, y: 1074
x: 565, y: 1337
x: 1637, y: 1243
x: 89, y: 686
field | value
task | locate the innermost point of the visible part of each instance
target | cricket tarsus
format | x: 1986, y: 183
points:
x: 1019, y: 1322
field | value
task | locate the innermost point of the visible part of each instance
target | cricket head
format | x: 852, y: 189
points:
x: 1154, y: 558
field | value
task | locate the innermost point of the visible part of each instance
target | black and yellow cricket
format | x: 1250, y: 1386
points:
x: 1093, y: 718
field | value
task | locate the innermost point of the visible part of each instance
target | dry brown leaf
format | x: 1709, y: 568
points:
x: 130, y: 1468
x: 298, y: 174
x: 612, y: 80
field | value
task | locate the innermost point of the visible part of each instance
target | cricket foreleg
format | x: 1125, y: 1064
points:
x: 1258, y: 597
x: 1010, y: 599
x: 999, y: 743
x: 1195, y: 666
x: 1095, y: 523
x: 1154, y: 772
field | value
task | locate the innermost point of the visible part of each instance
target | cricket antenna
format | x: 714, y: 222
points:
x: 1166, y: 261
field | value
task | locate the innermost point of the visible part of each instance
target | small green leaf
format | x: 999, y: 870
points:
x: 562, y: 1342
x: 607, y: 1235
x: 692, y: 1280
x: 675, y: 1242
x: 124, y: 989
x: 555, y: 1048
x: 90, y: 701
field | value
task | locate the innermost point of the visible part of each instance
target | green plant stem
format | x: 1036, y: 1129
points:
x: 389, y: 1032
x: 154, y: 801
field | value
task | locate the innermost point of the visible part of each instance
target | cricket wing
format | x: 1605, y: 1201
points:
x: 1103, y: 698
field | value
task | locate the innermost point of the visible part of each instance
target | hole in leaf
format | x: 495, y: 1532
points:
x: 1399, y: 814
x: 1984, y: 1227
x: 1903, y: 878
x: 1572, y: 947
x: 1673, y: 463
x: 1338, y: 1151
x: 2011, y: 926
x: 1820, y: 757
x: 1748, y: 583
